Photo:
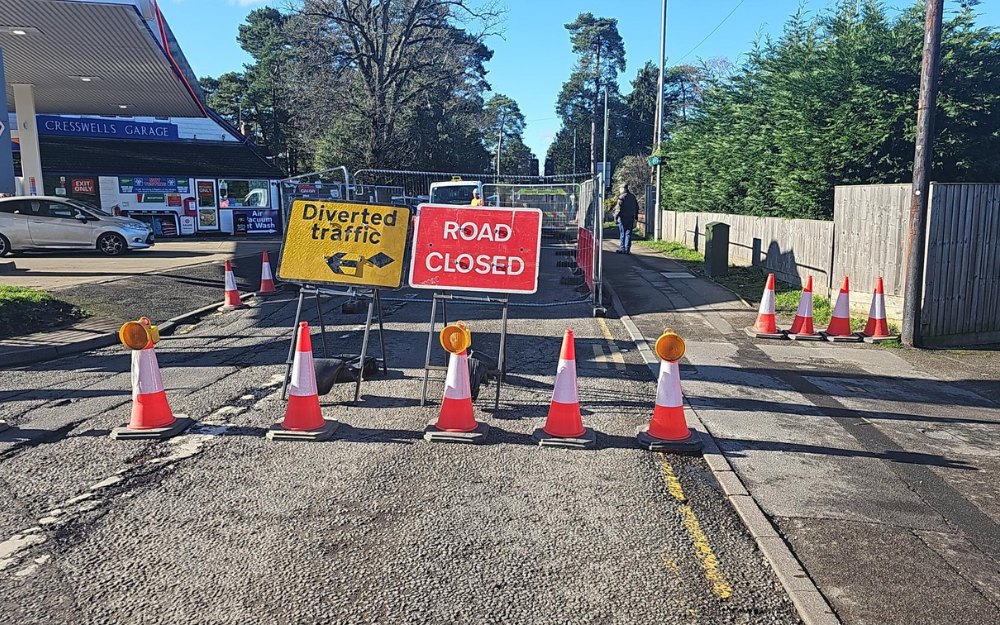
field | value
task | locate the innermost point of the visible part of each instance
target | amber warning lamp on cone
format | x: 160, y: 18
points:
x: 456, y: 338
x: 139, y: 334
x: 670, y: 347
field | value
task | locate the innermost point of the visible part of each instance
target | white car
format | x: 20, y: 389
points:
x: 54, y: 223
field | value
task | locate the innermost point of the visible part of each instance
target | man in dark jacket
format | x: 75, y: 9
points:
x: 626, y: 214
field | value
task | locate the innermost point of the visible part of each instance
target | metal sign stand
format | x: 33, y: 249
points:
x: 500, y: 373
x: 374, y: 305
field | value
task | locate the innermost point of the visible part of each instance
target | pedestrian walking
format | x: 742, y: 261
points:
x: 626, y: 214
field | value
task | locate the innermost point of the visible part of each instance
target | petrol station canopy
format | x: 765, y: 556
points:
x: 114, y: 57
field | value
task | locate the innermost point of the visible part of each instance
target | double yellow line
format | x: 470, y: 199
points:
x: 702, y: 549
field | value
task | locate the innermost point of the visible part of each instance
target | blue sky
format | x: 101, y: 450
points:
x: 533, y: 58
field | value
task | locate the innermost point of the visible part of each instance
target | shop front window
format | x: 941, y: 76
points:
x: 83, y: 188
x: 244, y: 194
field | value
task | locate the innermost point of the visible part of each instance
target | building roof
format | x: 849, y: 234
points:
x: 214, y: 159
x: 86, y: 58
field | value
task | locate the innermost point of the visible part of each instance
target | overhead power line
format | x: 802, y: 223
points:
x: 714, y: 30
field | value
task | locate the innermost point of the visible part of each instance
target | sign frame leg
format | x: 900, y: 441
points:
x: 291, y: 347
x: 430, y: 343
x: 381, y: 332
x: 364, y: 349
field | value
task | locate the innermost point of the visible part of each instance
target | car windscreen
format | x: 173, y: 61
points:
x: 461, y: 195
x: 89, y: 207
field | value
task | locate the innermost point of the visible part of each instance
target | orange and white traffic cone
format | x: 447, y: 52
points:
x: 232, y: 300
x: 877, y: 329
x: 564, y: 425
x: 266, y: 278
x: 456, y: 422
x: 151, y: 414
x: 802, y: 328
x: 303, y: 416
x: 839, y: 329
x: 668, y: 430
x: 766, y: 327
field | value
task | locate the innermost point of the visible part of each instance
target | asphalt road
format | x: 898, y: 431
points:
x: 375, y: 525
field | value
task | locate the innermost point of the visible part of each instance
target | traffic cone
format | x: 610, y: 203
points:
x: 839, y: 329
x: 877, y: 329
x: 766, y: 327
x: 266, y: 279
x: 564, y: 426
x: 232, y: 293
x: 668, y: 430
x: 456, y: 422
x: 802, y: 328
x: 303, y: 417
x: 151, y: 414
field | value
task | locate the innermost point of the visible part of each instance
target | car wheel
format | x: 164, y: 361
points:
x: 4, y: 246
x: 111, y: 244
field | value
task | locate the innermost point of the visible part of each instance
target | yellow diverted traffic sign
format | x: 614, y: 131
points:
x: 340, y: 243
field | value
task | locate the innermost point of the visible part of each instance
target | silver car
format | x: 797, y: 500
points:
x: 54, y: 223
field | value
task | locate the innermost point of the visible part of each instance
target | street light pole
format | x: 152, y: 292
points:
x: 658, y: 132
x: 922, y: 164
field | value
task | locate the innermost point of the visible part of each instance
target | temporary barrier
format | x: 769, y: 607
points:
x: 327, y: 184
x: 590, y: 239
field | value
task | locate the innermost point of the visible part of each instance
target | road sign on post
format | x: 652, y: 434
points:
x: 461, y: 248
x: 338, y: 243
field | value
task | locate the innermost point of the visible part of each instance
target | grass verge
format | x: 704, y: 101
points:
x: 748, y: 283
x: 24, y: 310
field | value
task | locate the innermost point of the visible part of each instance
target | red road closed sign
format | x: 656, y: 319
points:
x: 465, y: 248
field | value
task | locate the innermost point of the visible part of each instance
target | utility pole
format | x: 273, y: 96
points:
x: 574, y: 151
x: 922, y: 164
x: 604, y: 157
x: 658, y: 131
x: 503, y: 118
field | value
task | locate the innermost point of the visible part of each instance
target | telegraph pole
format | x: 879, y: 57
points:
x: 922, y: 164
x: 658, y: 131
x: 604, y: 157
x: 503, y: 118
x: 574, y: 151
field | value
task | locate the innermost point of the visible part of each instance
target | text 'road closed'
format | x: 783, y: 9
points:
x: 476, y: 249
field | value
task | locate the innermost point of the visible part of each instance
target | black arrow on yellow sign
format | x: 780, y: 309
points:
x: 339, y: 262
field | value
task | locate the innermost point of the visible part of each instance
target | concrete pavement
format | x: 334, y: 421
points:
x: 376, y: 525
x: 874, y: 464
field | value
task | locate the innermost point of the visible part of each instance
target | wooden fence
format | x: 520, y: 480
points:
x: 867, y: 239
x: 791, y: 248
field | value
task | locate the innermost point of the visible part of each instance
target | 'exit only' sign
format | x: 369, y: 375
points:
x: 467, y: 248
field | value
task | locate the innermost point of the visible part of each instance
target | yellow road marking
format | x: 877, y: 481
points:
x: 703, y: 550
x: 604, y: 329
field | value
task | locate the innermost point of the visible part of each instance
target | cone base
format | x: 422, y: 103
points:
x: 267, y: 293
x: 806, y: 337
x: 279, y: 433
x: 585, y: 441
x: 477, y: 436
x: 691, y: 444
x: 232, y: 307
x: 180, y: 424
x: 848, y: 338
x: 3, y: 426
x: 780, y: 334
x: 866, y: 339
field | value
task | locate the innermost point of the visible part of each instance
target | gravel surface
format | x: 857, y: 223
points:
x: 375, y: 525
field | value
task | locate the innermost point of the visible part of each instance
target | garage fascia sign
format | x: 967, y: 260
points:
x: 464, y: 248
x: 101, y: 128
